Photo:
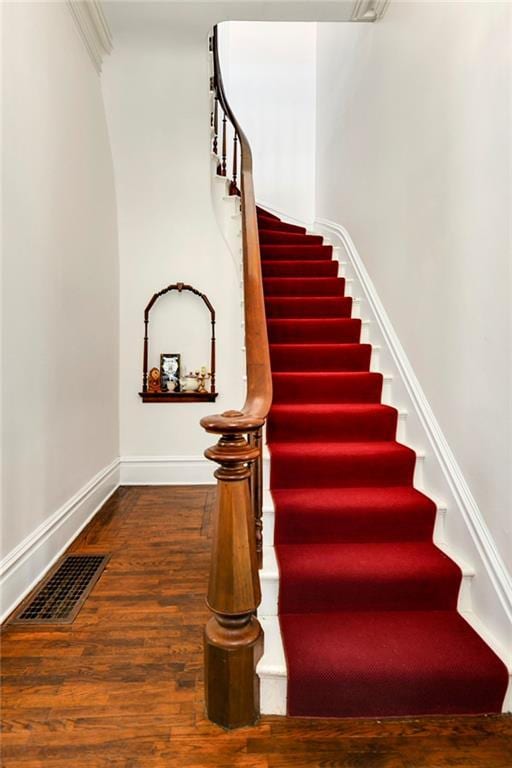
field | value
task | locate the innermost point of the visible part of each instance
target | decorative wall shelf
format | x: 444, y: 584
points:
x: 151, y: 396
x: 179, y: 397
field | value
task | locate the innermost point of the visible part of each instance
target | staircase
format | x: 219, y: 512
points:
x: 367, y: 603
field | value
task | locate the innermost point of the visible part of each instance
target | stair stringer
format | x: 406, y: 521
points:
x: 485, y: 596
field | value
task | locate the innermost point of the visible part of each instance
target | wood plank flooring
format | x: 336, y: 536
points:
x: 122, y: 686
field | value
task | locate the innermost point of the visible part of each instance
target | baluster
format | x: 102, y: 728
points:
x: 224, y: 145
x: 232, y: 187
x: 233, y: 640
x: 215, y: 126
x: 255, y: 441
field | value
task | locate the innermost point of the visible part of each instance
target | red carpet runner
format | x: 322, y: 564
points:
x: 367, y: 603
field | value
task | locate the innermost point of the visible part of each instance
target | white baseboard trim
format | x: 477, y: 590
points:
x: 27, y: 563
x: 23, y: 567
x: 166, y: 470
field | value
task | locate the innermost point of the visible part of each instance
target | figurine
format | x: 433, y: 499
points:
x: 170, y: 372
x: 154, y: 380
x: 195, y: 381
x: 202, y: 377
x: 189, y: 383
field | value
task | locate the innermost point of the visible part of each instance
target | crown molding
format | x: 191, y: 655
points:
x: 369, y: 10
x: 93, y: 28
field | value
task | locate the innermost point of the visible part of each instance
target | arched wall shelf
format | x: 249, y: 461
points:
x: 181, y: 397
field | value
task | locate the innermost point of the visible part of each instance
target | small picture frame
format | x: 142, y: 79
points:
x: 170, y: 370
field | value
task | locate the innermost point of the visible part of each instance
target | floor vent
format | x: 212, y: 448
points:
x: 64, y: 591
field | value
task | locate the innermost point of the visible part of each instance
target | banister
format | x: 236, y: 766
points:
x: 233, y: 640
x: 259, y: 379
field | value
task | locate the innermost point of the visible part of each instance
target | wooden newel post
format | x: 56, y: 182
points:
x: 233, y: 638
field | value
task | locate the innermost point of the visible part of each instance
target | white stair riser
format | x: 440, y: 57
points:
x: 273, y: 693
x: 272, y: 669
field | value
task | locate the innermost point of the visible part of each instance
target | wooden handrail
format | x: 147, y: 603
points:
x: 259, y: 378
x: 233, y: 636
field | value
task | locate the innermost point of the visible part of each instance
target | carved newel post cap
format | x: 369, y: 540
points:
x: 231, y: 422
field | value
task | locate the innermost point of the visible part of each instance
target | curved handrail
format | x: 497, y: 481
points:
x: 259, y: 379
x: 233, y: 638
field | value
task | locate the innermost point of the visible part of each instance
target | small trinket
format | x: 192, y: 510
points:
x: 154, y: 380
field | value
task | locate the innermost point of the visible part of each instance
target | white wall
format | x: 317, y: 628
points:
x: 270, y: 79
x: 158, y: 105
x: 414, y: 158
x: 60, y: 273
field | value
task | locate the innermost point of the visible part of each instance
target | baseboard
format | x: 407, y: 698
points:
x: 27, y: 563
x: 166, y: 470
x: 466, y: 535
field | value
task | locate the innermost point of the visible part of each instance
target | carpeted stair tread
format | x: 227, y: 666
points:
x: 262, y: 212
x: 296, y: 252
x: 389, y: 663
x: 300, y: 331
x: 327, y: 387
x: 362, y: 576
x: 264, y: 217
x: 331, y: 421
x: 335, y: 464
x: 318, y: 515
x: 265, y: 224
x: 299, y: 268
x: 294, y: 307
x: 283, y: 237
x: 303, y: 286
x: 320, y: 357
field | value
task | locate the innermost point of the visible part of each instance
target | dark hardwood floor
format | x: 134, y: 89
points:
x: 122, y: 686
